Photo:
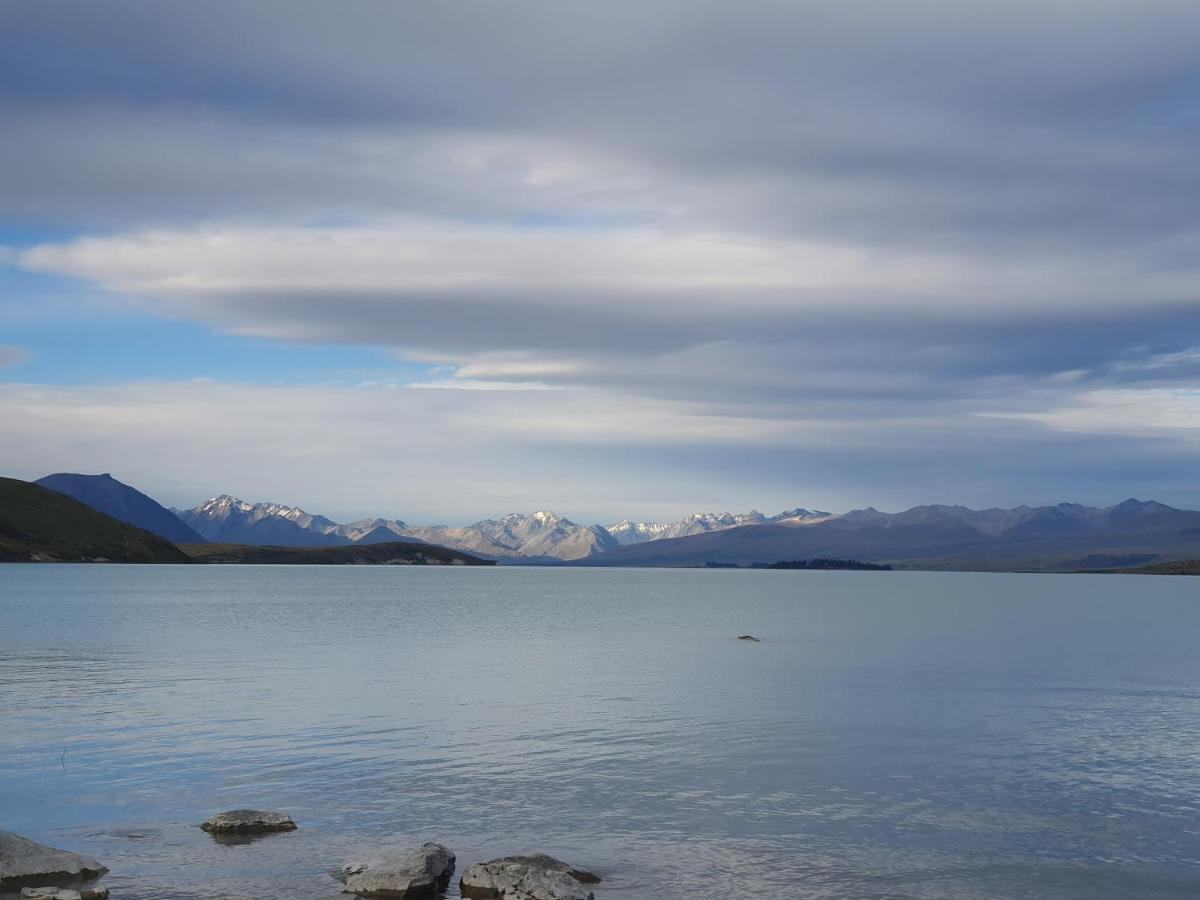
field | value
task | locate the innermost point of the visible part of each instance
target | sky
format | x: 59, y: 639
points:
x: 620, y: 260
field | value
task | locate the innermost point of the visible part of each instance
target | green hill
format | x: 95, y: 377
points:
x: 395, y: 553
x: 40, y: 525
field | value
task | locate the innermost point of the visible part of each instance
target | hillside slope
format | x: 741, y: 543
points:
x: 41, y: 525
x: 105, y: 494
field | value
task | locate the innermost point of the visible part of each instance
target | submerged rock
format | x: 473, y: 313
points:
x: 56, y: 893
x: 49, y: 893
x: 249, y: 821
x: 25, y: 862
x: 422, y: 872
x: 537, y: 877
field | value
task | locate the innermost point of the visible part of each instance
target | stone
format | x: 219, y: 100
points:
x: 55, y: 893
x: 25, y: 862
x: 49, y: 893
x: 422, y: 872
x: 249, y: 821
x: 537, y: 877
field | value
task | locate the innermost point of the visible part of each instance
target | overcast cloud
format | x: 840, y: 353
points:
x: 655, y: 256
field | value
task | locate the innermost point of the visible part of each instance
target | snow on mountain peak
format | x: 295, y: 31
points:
x: 224, y: 502
x: 542, y: 533
x: 628, y: 532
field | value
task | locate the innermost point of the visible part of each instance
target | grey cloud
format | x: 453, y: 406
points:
x: 913, y: 122
x: 1045, y: 151
x: 590, y: 455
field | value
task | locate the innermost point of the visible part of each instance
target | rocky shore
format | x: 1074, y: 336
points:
x: 46, y: 873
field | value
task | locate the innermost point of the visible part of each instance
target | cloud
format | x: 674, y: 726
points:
x: 1170, y: 414
x: 758, y: 230
x: 429, y: 453
x: 910, y: 126
x: 11, y: 356
x: 747, y: 319
x: 460, y: 455
x: 709, y: 274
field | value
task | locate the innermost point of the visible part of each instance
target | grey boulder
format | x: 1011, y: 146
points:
x: 249, y: 821
x: 25, y: 862
x: 537, y: 877
x: 422, y: 872
x: 55, y: 893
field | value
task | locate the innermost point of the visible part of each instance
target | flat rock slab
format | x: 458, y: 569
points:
x: 26, y: 862
x: 537, y: 877
x: 423, y: 872
x: 249, y: 821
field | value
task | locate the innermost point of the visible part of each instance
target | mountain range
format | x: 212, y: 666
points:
x: 41, y: 524
x: 627, y: 532
x: 541, y: 536
x: 1064, y: 537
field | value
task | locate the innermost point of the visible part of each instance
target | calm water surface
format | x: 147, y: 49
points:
x: 894, y: 735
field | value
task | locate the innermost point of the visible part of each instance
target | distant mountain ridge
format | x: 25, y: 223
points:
x: 539, y: 536
x: 1060, y: 537
x: 124, y: 503
x: 627, y: 532
x: 1065, y: 536
x: 542, y: 535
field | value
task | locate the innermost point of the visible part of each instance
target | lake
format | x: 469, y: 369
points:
x: 894, y: 735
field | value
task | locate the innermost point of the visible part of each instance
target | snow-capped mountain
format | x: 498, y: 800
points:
x: 517, y: 536
x: 802, y: 516
x: 543, y: 534
x: 371, y: 531
x: 227, y: 519
x: 628, y: 532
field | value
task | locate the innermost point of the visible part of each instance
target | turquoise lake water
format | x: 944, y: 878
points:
x: 894, y: 735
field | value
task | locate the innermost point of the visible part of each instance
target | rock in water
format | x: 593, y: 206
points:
x: 538, y: 877
x: 23, y: 861
x: 249, y: 821
x: 748, y: 637
x: 422, y: 872
x: 55, y: 893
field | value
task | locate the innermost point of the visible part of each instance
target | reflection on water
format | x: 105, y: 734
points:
x: 894, y: 735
